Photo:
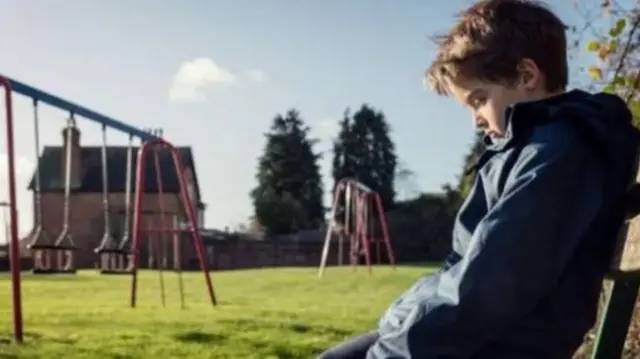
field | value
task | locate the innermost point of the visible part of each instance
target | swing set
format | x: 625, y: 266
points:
x: 362, y: 206
x: 114, y: 256
x: 56, y: 256
x: 52, y: 256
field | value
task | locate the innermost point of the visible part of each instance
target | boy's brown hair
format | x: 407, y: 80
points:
x: 493, y: 36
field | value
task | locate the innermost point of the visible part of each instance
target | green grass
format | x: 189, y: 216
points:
x: 271, y: 313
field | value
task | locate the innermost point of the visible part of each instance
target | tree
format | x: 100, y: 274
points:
x: 617, y: 66
x: 289, y: 191
x: 364, y: 150
x: 344, y: 151
x: 466, y: 178
x: 616, y: 69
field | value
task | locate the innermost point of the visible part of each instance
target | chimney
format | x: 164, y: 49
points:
x: 71, y: 136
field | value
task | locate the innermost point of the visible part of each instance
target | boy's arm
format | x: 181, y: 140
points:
x: 517, y: 254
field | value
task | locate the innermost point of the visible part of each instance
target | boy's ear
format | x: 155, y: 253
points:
x: 530, y: 74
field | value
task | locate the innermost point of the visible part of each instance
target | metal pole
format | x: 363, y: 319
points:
x: 14, y: 247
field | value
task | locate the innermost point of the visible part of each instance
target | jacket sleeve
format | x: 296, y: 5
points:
x: 517, y: 253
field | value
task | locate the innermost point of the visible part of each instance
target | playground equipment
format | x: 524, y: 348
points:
x: 52, y: 257
x: 189, y: 210
x: 361, y: 204
x: 156, y: 235
x: 114, y: 257
x: 40, y: 240
x: 158, y: 256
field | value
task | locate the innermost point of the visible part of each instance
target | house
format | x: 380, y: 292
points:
x: 86, y: 207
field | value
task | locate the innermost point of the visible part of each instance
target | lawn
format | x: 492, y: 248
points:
x: 270, y: 313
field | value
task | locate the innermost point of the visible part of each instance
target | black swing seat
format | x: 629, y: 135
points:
x: 113, y: 250
x: 109, y: 245
x: 116, y: 272
x: 53, y: 271
x: 107, y: 250
x: 53, y: 247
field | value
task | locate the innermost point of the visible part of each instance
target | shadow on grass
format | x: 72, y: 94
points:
x: 29, y: 277
x: 36, y: 338
x: 121, y: 356
x: 424, y: 265
x: 196, y: 337
x: 291, y: 349
x: 288, y: 351
x: 246, y: 325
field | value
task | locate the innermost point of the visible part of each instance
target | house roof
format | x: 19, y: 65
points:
x: 52, y: 170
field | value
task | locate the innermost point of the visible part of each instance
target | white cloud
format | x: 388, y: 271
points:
x: 257, y: 75
x: 195, y: 76
x: 326, y: 128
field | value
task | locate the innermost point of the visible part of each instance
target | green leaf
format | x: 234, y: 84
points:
x: 595, y: 73
x: 617, y: 30
x: 610, y: 89
x: 634, y: 106
x: 618, y: 81
x: 593, y: 46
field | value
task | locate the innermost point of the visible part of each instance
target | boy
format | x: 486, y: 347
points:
x: 533, y: 240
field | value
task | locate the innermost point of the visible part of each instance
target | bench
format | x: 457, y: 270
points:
x: 625, y: 283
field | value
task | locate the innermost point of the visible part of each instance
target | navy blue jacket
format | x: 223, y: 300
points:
x: 531, y: 243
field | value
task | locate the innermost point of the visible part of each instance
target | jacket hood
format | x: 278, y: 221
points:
x: 604, y: 120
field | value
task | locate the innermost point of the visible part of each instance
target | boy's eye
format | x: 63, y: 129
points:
x: 476, y: 98
x: 477, y: 102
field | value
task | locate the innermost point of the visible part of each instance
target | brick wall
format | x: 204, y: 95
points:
x: 237, y: 252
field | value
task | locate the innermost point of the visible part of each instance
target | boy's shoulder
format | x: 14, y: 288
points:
x: 570, y: 127
x: 583, y: 126
x: 599, y: 121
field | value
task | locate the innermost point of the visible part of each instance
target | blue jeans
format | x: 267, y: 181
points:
x: 354, y: 348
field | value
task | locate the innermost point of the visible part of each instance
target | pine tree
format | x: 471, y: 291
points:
x: 466, y: 178
x: 289, y: 191
x: 364, y: 150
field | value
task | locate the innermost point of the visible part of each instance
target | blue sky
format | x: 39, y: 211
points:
x: 213, y: 74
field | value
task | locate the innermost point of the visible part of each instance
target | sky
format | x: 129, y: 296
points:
x: 213, y: 74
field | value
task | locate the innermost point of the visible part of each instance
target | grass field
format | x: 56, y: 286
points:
x: 271, y: 313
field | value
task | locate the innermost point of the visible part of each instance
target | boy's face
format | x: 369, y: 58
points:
x: 488, y: 102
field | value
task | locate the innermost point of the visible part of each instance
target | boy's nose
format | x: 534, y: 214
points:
x: 479, y: 121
